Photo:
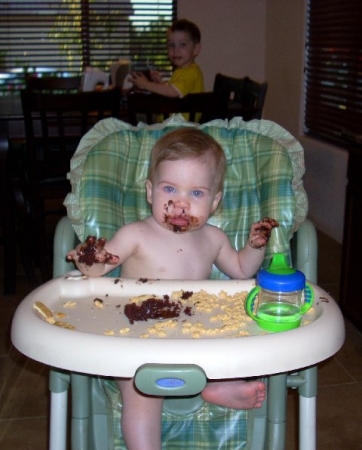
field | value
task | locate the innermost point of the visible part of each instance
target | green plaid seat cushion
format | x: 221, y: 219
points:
x: 264, y: 178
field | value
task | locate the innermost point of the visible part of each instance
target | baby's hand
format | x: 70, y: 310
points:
x: 260, y: 232
x: 92, y: 252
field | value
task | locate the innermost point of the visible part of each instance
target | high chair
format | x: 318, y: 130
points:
x: 264, y: 178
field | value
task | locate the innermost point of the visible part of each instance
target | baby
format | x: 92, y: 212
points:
x: 184, y: 187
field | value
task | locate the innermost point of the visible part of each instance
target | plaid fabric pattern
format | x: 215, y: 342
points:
x: 264, y: 178
x: 210, y: 427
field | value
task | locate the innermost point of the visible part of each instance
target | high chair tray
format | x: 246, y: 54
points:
x: 92, y: 334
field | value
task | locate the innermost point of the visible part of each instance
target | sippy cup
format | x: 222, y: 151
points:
x: 282, y: 294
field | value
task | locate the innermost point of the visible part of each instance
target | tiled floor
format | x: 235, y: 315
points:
x: 24, y: 400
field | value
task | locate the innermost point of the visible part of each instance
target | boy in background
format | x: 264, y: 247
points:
x: 183, y: 46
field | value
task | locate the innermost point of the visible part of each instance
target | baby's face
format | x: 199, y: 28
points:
x: 183, y: 194
x: 181, y: 49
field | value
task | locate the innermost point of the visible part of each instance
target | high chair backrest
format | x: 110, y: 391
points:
x: 264, y: 178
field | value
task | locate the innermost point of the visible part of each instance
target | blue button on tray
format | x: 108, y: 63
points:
x: 170, y: 383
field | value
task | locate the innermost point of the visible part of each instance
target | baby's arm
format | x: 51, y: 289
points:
x: 96, y: 257
x: 244, y: 264
x: 92, y: 259
x: 252, y: 254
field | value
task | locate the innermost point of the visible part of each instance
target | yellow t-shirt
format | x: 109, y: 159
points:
x: 188, y: 80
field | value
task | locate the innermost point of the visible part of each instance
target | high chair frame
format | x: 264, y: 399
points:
x: 88, y: 402
x: 90, y: 427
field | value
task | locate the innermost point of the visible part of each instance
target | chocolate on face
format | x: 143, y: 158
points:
x: 179, y: 223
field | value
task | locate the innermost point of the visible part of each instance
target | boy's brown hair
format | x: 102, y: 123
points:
x: 188, y: 27
x: 189, y: 143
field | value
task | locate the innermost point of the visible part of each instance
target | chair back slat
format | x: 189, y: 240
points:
x: 54, y: 125
x: 54, y: 120
x: 53, y: 84
x: 201, y: 107
x: 246, y: 96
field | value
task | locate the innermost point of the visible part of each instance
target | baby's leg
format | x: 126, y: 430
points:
x: 236, y: 394
x: 141, y: 417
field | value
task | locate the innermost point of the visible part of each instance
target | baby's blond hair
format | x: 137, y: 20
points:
x: 189, y: 143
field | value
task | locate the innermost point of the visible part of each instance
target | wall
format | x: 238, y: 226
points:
x: 233, y: 36
x: 326, y: 166
x: 265, y: 40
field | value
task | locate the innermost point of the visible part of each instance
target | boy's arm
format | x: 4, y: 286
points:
x: 141, y: 82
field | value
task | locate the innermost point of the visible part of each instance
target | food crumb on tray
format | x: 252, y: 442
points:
x: 98, y: 302
x: 70, y: 304
x: 224, y: 313
x: 45, y: 313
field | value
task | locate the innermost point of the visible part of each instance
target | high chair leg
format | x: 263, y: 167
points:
x: 306, y: 382
x: 58, y: 386
x: 81, y: 412
x: 276, y: 415
x: 308, y: 409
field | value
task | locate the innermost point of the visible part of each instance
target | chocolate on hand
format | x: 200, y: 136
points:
x: 261, y: 231
x: 92, y: 251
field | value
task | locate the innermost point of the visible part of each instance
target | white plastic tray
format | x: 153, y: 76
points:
x: 88, y: 349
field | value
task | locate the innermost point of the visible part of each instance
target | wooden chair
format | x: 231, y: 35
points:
x: 201, y: 107
x: 53, y: 84
x: 246, y: 96
x: 54, y: 125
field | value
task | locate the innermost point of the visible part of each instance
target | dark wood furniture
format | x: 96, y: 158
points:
x: 246, y: 96
x: 11, y: 117
x: 149, y: 107
x: 351, y: 274
x: 53, y: 84
x: 54, y: 125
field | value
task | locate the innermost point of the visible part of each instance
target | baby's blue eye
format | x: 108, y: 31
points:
x: 197, y: 193
x: 169, y: 189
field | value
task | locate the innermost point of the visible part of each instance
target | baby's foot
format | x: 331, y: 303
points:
x: 236, y: 394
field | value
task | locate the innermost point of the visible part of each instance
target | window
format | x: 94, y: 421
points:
x: 62, y: 37
x: 333, y: 104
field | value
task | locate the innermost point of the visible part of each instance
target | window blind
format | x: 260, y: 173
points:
x: 62, y: 37
x: 333, y: 73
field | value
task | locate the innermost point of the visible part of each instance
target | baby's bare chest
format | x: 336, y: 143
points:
x: 176, y: 258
